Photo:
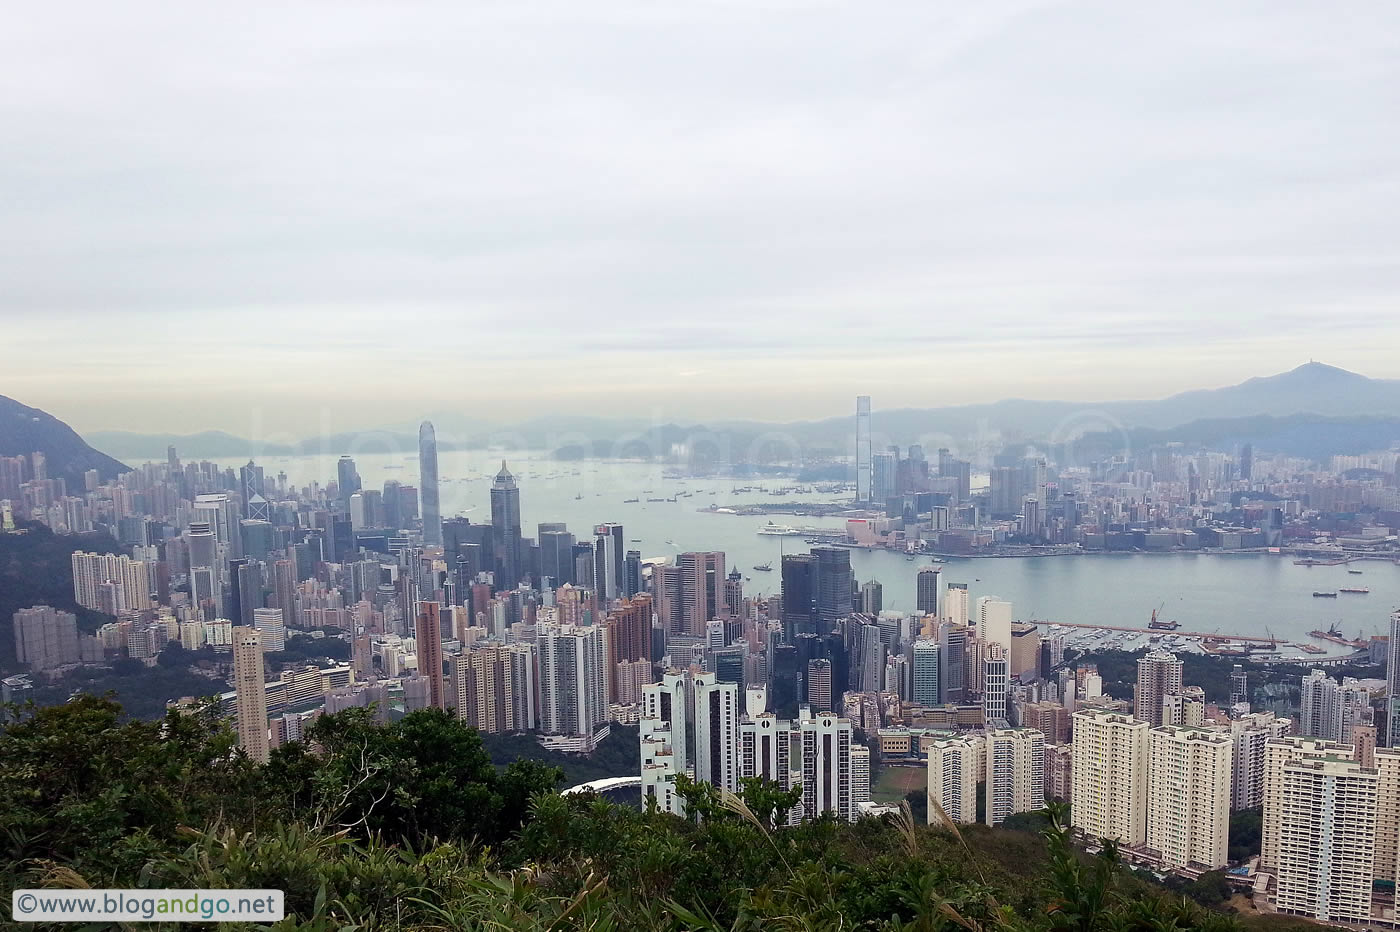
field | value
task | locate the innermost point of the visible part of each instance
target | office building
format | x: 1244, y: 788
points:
x: 927, y: 587
x: 1015, y: 775
x: 1025, y: 651
x: 1158, y: 676
x: 271, y: 629
x: 1188, y: 795
x: 505, y: 529
x: 957, y: 609
x: 347, y: 479
x: 428, y: 493
x: 953, y: 774
x: 884, y: 481
x: 609, y: 554
x: 994, y: 619
x: 863, y: 465
x: 995, y: 682
x: 831, y: 586
x: 871, y: 597
x: 799, y: 594
x: 927, y: 659
x: 819, y: 689
x: 1109, y: 784
x: 250, y: 693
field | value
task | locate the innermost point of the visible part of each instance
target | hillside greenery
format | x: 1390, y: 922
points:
x: 411, y: 826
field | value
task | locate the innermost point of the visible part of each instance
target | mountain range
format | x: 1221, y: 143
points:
x: 1319, y: 394
x: 1314, y: 411
x: 25, y: 430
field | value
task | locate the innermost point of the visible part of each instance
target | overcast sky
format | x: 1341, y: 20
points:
x: 297, y: 215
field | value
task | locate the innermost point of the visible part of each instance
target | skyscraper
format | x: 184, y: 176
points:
x: 716, y: 732
x: 927, y: 656
x: 863, y: 448
x: 1326, y: 839
x: 702, y: 588
x: 994, y: 617
x: 832, y: 589
x: 1188, y: 795
x: 609, y: 561
x: 556, y: 554
x: 1158, y: 675
x: 996, y: 668
x: 428, y: 486
x: 927, y: 583
x: 884, y: 476
x: 1250, y: 733
x: 1279, y: 753
x: 1329, y: 709
x: 799, y: 594
x: 428, y: 633
x: 1392, y: 679
x: 573, y: 679
x: 250, y: 695
x: 505, y: 523
x: 826, y: 766
x: 1109, y: 779
x: 956, y: 607
x: 347, y: 479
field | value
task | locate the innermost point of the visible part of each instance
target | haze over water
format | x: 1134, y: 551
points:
x: 1226, y: 593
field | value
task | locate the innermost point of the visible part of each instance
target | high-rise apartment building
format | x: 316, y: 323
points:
x: 273, y: 633
x: 927, y: 659
x: 1188, y: 795
x: 1109, y: 785
x: 1278, y: 754
x: 1326, y: 817
x: 1158, y: 676
x: 860, y: 778
x: 250, y: 693
x: 46, y: 637
x: 1250, y: 733
x: 957, y: 609
x: 428, y: 633
x: 826, y: 765
x: 573, y: 683
x: 1392, y: 680
x: 953, y: 775
x: 428, y: 493
x: 717, y: 715
x: 1015, y: 776
x: 702, y: 589
x: 1328, y: 709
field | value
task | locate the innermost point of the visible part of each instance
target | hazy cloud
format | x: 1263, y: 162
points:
x: 361, y: 212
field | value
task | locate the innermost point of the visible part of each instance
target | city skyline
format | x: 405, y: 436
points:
x: 1002, y: 187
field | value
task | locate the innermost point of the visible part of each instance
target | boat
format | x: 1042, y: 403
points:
x: 764, y: 567
x: 636, y: 540
x: 1324, y: 595
x: 1357, y: 590
x: 578, y: 497
x: 1313, y: 649
x: 656, y: 499
x: 778, y: 530
x: 1355, y: 572
x: 630, y: 501
x: 1157, y: 624
x: 1335, y: 636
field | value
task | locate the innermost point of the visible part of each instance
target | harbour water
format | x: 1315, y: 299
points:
x: 1248, y: 594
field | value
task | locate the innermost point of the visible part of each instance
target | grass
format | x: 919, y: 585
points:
x: 897, y: 781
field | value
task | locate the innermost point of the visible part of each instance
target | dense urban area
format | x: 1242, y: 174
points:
x: 1230, y: 766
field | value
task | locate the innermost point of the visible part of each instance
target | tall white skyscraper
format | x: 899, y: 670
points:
x: 1109, y: 780
x: 765, y: 746
x: 863, y: 466
x: 1326, y: 839
x: 573, y: 679
x: 663, y: 739
x: 716, y: 732
x: 269, y: 625
x: 957, y: 609
x: 994, y: 618
x: 1015, y: 777
x: 1188, y: 795
x: 428, y: 488
x: 250, y: 695
x: 953, y: 775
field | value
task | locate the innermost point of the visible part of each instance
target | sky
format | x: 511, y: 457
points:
x: 300, y: 217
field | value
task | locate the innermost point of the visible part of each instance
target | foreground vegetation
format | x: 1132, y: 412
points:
x: 411, y: 826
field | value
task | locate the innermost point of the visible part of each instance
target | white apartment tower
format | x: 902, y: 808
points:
x: 953, y: 773
x: 716, y: 732
x: 1188, y: 795
x: 826, y: 765
x: 1278, y: 753
x: 1109, y: 782
x: 1015, y: 776
x: 1326, y: 839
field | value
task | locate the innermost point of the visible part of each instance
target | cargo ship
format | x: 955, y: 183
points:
x: 1358, y: 590
x: 1324, y: 595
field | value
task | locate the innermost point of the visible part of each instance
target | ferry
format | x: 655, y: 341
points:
x: 1357, y: 590
x: 1324, y: 595
x: 778, y: 530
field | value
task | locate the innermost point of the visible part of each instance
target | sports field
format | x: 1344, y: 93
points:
x: 896, y: 782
